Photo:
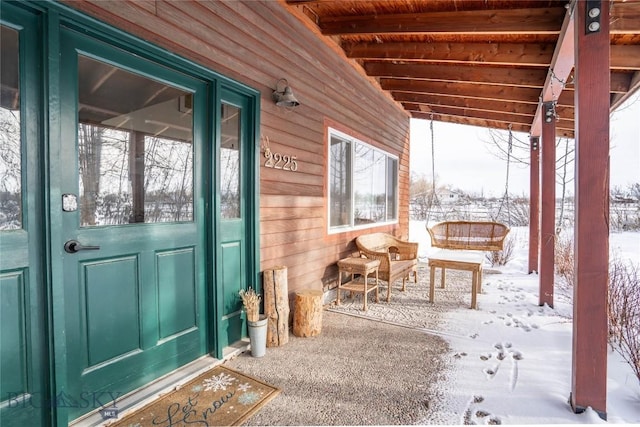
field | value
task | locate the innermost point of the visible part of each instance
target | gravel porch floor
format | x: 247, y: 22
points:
x: 356, y: 372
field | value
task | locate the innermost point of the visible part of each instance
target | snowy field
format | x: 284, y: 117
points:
x: 511, y: 359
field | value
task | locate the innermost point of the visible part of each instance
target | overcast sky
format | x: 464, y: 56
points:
x: 464, y: 155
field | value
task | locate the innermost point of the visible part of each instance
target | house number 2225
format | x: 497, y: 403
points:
x: 280, y: 161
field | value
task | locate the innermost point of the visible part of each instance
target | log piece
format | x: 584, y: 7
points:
x: 307, y: 314
x: 276, y: 305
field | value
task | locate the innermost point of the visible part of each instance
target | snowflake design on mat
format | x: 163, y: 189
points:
x: 218, y: 382
x: 248, y: 398
x: 244, y: 387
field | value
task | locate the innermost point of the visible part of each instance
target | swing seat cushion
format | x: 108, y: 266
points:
x: 468, y: 235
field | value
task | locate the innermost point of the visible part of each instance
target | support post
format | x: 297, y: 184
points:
x: 534, y: 204
x: 548, y: 201
x: 591, y: 245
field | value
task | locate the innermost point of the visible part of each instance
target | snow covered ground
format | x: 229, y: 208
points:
x: 511, y: 359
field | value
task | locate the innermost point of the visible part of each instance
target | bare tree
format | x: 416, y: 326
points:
x: 10, y: 170
x: 512, y: 149
x: 564, y: 161
x: 89, y: 155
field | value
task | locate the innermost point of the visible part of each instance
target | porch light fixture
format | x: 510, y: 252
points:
x: 283, y: 96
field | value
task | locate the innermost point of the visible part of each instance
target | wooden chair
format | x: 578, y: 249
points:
x: 398, y: 258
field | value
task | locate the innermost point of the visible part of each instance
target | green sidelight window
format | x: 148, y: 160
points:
x: 363, y: 184
x: 10, y: 132
x: 230, y: 162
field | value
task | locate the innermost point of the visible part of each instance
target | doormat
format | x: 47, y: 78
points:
x: 219, y: 397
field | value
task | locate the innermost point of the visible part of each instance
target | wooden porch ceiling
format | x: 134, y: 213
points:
x: 486, y: 63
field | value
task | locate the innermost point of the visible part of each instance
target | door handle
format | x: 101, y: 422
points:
x: 73, y: 246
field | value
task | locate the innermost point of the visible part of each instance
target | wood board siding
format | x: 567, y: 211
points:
x: 256, y: 43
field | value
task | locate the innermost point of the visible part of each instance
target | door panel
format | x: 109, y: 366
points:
x: 14, y: 335
x: 177, y: 290
x: 23, y: 370
x: 110, y: 291
x: 136, y: 297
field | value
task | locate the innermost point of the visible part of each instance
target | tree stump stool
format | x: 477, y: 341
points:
x: 307, y: 313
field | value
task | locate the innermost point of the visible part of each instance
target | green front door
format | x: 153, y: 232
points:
x: 133, y: 220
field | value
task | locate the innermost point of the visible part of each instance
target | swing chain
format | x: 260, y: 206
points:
x: 434, y: 197
x: 505, y: 197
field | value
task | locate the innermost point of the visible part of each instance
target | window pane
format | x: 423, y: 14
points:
x: 230, y: 162
x: 340, y: 182
x: 10, y: 140
x: 370, y: 185
x: 392, y: 186
x: 135, y: 148
x: 363, y: 184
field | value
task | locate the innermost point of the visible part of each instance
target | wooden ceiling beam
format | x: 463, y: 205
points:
x: 466, y: 103
x: 469, y: 121
x: 620, y: 82
x: 566, y: 98
x: 567, y: 133
x: 472, y: 90
x: 619, y: 98
x: 625, y: 57
x: 505, y: 21
x: 521, y: 54
x: 566, y: 116
x: 625, y: 17
x: 459, y: 73
x: 486, y: 115
x: 561, y: 65
x: 465, y: 90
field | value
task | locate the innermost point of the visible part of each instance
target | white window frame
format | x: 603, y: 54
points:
x: 351, y: 225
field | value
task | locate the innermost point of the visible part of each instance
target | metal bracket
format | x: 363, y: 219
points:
x: 535, y: 144
x: 593, y: 16
x: 549, y: 110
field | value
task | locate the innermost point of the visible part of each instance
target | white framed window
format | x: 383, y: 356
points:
x: 363, y: 184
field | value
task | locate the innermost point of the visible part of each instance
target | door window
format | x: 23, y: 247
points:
x: 11, y: 153
x: 135, y: 148
x: 230, y: 162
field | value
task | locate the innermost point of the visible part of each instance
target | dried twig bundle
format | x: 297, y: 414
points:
x: 251, y: 302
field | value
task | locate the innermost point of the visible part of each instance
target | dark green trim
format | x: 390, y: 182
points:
x: 52, y: 110
x: 250, y: 203
x: 31, y: 240
x: 253, y: 210
x: 54, y: 16
x: 216, y: 302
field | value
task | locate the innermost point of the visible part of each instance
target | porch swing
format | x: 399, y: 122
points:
x: 468, y: 235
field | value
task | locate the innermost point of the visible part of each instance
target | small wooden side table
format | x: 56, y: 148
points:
x: 457, y: 260
x: 364, y: 267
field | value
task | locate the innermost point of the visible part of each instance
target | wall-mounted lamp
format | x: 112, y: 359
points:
x: 283, y: 96
x: 594, y: 8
